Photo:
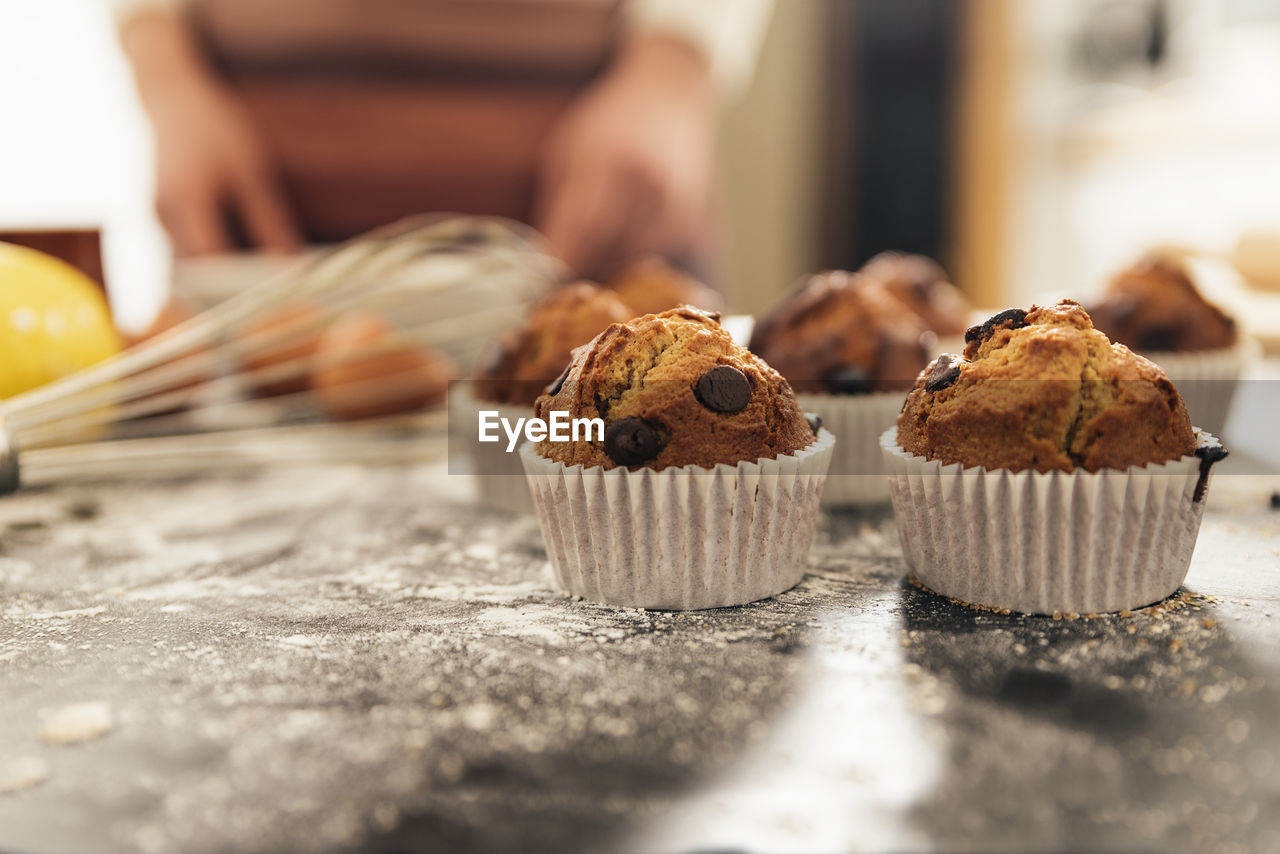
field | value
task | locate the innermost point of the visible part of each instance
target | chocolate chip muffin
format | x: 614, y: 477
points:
x: 922, y: 286
x: 840, y: 333
x: 1155, y: 307
x: 651, y: 285
x: 1044, y: 390
x: 673, y: 389
x: 535, y: 354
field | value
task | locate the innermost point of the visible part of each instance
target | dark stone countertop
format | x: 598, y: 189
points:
x: 338, y: 657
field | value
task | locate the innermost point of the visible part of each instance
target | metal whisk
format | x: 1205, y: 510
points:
x: 447, y: 284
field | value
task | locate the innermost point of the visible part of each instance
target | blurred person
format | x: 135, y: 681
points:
x: 280, y: 122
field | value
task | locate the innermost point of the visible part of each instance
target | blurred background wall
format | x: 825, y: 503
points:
x: 772, y: 151
x: 843, y: 146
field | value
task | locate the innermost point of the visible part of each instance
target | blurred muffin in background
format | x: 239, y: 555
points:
x: 527, y: 360
x: 839, y: 333
x: 850, y: 349
x: 924, y: 287
x: 651, y: 286
x: 1154, y: 307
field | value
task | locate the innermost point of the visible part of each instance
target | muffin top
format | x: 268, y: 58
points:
x: 651, y: 285
x: 923, y: 286
x: 1042, y: 389
x: 673, y: 389
x: 536, y: 353
x: 1154, y: 307
x: 840, y: 333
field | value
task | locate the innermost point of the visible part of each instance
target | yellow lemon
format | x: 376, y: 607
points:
x: 53, y: 320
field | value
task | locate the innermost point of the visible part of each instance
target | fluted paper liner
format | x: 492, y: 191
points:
x: 1045, y: 542
x: 1207, y: 380
x: 680, y: 538
x: 857, y: 475
x: 499, y: 478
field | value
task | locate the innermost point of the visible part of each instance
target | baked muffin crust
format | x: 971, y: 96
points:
x: 921, y: 285
x: 536, y: 353
x: 1155, y: 307
x: 673, y: 389
x: 652, y: 285
x: 840, y: 333
x: 1044, y: 390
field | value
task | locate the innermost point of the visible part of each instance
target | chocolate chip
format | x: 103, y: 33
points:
x: 1275, y: 501
x: 1209, y: 454
x: 724, y: 388
x: 849, y: 379
x: 631, y: 441
x: 555, y: 387
x: 815, y: 421
x: 945, y: 371
x: 1014, y: 318
x: 1157, y: 339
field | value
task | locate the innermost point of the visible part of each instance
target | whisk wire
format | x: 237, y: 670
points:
x: 446, y: 283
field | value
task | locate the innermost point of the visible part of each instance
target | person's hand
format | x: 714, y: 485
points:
x: 628, y: 171
x: 211, y: 164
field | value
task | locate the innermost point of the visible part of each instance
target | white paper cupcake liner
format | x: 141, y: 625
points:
x: 680, y: 538
x: 1207, y: 380
x: 857, y: 474
x: 1047, y: 542
x: 498, y: 475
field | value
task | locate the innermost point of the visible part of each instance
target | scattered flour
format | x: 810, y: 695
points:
x: 531, y: 621
x: 77, y: 722
x: 22, y: 772
x: 68, y: 615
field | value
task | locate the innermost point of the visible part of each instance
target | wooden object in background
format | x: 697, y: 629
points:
x: 984, y: 151
x: 79, y: 247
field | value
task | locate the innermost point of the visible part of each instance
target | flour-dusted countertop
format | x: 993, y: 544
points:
x: 333, y: 657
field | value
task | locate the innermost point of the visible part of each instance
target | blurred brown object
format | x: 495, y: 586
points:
x: 1154, y: 306
x: 651, y: 285
x: 79, y: 247
x: 362, y: 370
x: 842, y: 333
x: 527, y: 359
x: 921, y: 285
x: 984, y: 149
x: 283, y: 346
